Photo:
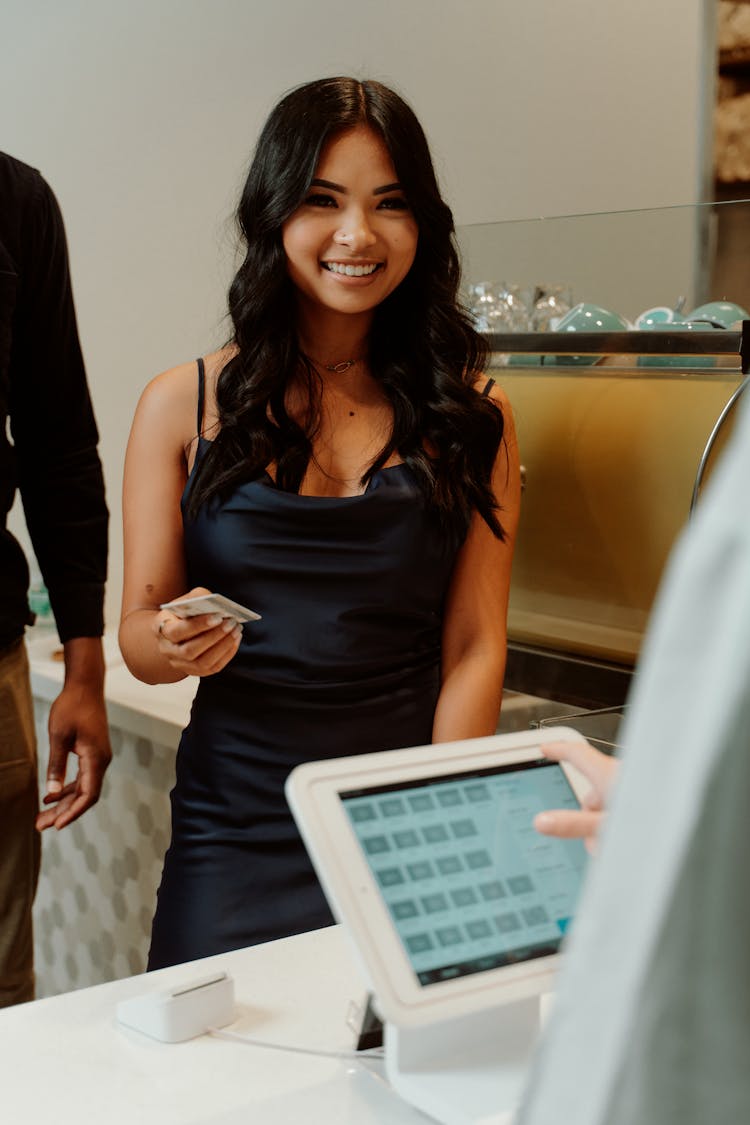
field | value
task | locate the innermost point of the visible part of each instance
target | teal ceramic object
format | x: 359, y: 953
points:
x: 722, y: 313
x: 652, y: 318
x: 592, y: 318
x: 585, y: 317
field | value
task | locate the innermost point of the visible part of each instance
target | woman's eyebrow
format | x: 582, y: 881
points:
x: 328, y: 184
x: 340, y: 188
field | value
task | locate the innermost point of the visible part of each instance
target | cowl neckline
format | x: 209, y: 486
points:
x: 267, y: 480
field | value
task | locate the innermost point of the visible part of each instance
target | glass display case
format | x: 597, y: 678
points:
x: 623, y: 356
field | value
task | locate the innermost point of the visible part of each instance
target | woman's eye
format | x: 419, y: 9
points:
x: 394, y: 203
x: 317, y: 199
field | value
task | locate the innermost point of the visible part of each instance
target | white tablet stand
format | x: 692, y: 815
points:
x: 468, y: 1070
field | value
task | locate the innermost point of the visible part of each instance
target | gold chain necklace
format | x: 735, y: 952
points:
x: 337, y: 368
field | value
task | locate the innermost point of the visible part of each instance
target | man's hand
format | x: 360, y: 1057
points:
x: 77, y: 725
x: 597, y: 768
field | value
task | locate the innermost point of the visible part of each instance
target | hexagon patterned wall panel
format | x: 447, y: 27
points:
x: 99, y: 876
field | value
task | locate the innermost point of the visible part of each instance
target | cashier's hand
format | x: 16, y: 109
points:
x: 197, y: 646
x: 600, y: 770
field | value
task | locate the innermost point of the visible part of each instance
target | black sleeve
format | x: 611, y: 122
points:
x: 54, y: 430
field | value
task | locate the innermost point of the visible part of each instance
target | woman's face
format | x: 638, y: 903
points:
x: 354, y: 238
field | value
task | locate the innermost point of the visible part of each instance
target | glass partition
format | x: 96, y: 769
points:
x: 625, y: 261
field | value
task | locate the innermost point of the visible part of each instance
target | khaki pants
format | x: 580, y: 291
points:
x: 19, y: 839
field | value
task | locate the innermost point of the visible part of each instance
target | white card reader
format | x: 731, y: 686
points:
x: 182, y: 1012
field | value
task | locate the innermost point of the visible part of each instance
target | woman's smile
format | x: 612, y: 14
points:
x: 352, y: 269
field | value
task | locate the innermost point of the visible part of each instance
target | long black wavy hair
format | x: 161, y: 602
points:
x: 422, y: 347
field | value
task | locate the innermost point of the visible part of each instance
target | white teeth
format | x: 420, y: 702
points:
x: 350, y: 271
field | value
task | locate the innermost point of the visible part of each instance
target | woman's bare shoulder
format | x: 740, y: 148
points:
x: 172, y: 387
x: 176, y: 389
x: 490, y: 388
x: 498, y: 396
x: 168, y: 406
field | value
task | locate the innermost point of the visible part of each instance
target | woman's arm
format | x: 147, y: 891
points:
x: 157, y: 646
x: 474, y: 627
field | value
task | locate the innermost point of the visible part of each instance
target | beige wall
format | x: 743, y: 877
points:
x: 142, y: 115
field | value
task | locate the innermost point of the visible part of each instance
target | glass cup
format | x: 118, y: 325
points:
x: 482, y: 299
x: 550, y: 304
x: 515, y: 307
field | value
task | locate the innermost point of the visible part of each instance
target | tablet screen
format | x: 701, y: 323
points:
x: 467, y: 881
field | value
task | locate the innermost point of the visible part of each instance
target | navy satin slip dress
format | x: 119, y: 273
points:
x: 346, y: 660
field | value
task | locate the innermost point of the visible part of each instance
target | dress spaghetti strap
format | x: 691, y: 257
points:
x: 201, y: 393
x: 487, y: 387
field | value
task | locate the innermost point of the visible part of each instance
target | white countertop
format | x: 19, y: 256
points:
x: 154, y: 711
x: 66, y: 1060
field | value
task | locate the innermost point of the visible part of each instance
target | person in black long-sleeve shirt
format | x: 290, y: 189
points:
x: 51, y: 459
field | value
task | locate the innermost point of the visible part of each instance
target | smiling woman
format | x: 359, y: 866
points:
x: 343, y: 467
